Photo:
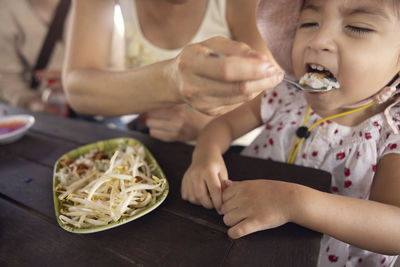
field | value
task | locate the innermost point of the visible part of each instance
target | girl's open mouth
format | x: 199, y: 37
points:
x: 319, y: 78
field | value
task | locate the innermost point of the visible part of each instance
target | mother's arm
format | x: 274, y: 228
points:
x: 193, y: 77
x: 89, y: 86
x: 241, y: 17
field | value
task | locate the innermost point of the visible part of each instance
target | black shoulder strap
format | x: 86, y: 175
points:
x: 54, y: 34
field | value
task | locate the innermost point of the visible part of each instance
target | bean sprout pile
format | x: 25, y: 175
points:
x: 99, y: 188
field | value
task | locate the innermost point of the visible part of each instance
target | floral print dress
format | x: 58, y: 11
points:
x: 350, y: 154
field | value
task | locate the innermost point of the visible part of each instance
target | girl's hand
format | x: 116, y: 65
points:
x: 203, y: 182
x: 235, y: 75
x: 255, y: 205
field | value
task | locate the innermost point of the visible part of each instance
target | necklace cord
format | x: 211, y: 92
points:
x: 297, y: 143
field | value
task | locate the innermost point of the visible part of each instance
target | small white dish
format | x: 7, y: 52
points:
x: 13, y: 127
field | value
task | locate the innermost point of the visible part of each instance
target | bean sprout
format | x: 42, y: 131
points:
x: 96, y: 189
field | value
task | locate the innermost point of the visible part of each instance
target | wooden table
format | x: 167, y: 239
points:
x: 175, y: 234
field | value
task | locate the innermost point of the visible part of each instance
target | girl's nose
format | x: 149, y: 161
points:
x: 323, y: 39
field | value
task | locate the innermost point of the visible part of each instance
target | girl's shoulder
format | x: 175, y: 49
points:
x: 382, y: 129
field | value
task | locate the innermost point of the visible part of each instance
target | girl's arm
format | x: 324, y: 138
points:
x: 369, y: 224
x: 206, y: 83
x: 203, y: 181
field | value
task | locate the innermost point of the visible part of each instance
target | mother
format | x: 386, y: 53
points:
x: 207, y: 83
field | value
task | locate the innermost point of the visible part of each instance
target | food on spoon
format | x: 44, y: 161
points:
x: 99, y: 188
x: 319, y: 78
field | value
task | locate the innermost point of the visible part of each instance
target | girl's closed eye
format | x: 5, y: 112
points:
x: 358, y: 30
x: 308, y: 24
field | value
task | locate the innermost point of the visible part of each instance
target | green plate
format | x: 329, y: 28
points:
x: 107, y: 146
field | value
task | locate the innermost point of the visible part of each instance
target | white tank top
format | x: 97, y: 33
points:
x: 140, y: 52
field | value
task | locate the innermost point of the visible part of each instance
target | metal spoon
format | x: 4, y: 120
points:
x: 307, y: 88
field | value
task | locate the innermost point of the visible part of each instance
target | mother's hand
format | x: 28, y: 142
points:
x: 178, y: 123
x: 210, y: 83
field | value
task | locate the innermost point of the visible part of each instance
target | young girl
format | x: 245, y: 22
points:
x: 351, y: 131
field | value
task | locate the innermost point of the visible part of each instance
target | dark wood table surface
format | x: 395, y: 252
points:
x: 175, y: 234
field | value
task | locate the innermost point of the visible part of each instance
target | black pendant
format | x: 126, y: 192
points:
x: 302, y: 132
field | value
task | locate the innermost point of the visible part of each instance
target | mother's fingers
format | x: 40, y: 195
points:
x: 227, y: 47
x: 237, y: 62
x: 234, y: 68
x: 216, y: 97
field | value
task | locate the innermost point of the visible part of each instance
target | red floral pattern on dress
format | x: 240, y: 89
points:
x: 392, y: 146
x: 340, y: 155
x: 271, y: 141
x: 347, y: 183
x: 374, y: 168
x: 333, y: 258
